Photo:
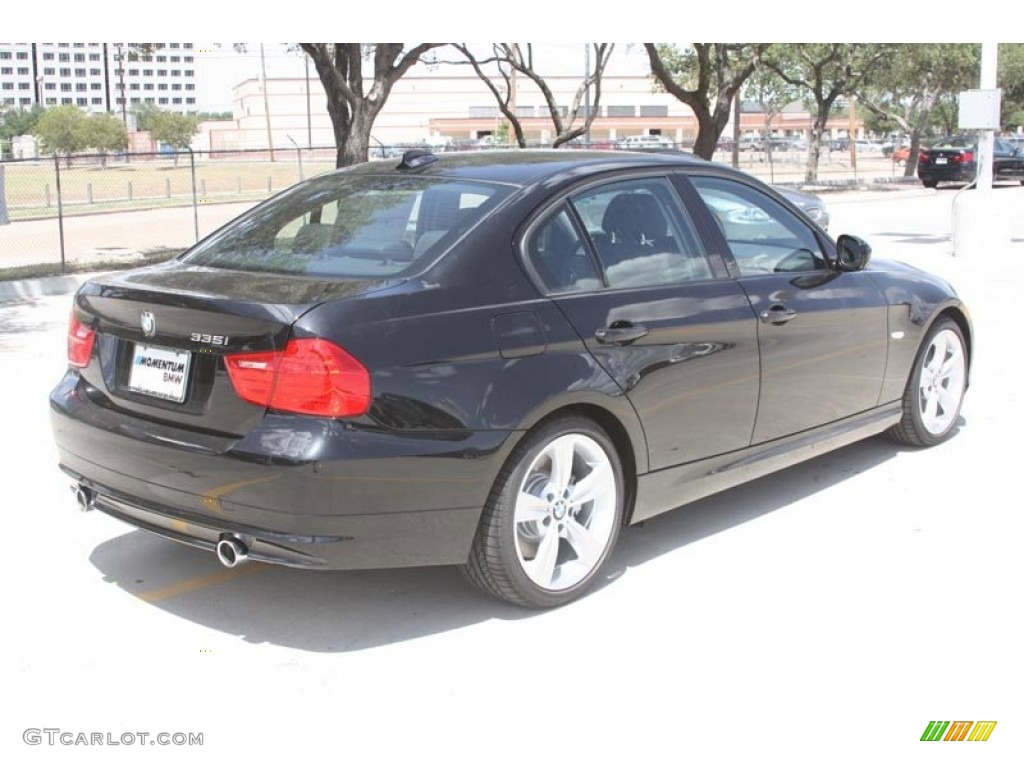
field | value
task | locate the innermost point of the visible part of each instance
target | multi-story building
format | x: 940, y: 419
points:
x: 98, y: 77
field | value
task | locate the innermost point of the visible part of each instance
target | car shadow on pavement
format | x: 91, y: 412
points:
x: 328, y: 612
x: 13, y: 325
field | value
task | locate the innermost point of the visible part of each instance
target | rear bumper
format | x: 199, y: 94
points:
x: 299, y: 491
x: 947, y: 173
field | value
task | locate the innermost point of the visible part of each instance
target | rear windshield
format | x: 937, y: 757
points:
x: 351, y: 226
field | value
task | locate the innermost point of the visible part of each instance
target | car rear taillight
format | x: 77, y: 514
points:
x: 80, y: 341
x: 922, y: 158
x: 311, y: 376
x: 966, y: 157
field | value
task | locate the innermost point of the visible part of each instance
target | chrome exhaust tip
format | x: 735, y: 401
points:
x: 231, y: 551
x: 84, y: 497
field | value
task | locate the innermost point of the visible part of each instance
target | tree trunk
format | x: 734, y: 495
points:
x: 355, y: 146
x: 707, y: 134
x: 814, y: 146
x: 915, y: 137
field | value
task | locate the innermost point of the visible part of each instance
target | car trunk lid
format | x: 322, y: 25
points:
x: 162, y: 336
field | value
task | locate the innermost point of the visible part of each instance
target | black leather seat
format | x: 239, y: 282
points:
x: 634, y: 225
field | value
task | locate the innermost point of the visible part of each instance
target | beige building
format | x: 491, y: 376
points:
x: 425, y: 105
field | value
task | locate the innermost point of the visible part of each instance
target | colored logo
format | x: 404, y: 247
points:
x: 148, y: 323
x: 958, y: 730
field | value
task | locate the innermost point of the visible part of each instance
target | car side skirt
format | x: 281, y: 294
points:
x: 668, y: 489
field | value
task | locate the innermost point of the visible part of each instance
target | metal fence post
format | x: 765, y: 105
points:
x: 60, y: 213
x: 4, y: 218
x: 195, y: 203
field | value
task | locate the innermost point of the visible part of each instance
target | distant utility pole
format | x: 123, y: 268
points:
x: 266, y: 101
x: 120, y: 83
x: 586, y: 78
x: 309, y: 112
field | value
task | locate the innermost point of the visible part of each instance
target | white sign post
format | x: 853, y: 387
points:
x: 980, y: 225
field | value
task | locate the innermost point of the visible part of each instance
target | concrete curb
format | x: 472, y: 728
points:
x: 22, y: 290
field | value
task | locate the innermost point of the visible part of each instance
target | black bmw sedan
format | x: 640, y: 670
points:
x: 494, y: 360
x: 955, y: 159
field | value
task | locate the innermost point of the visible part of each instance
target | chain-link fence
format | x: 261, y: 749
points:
x: 67, y: 213
x: 73, y: 211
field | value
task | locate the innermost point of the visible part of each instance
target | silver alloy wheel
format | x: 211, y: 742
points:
x: 565, y: 512
x: 941, y: 384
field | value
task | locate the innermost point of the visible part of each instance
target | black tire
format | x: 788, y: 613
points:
x: 917, y: 427
x: 497, y: 565
x: 930, y: 184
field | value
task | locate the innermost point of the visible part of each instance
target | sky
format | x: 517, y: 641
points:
x: 219, y: 66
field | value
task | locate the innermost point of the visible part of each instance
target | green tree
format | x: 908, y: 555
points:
x: 773, y: 94
x: 705, y: 77
x: 352, y: 106
x: 104, y: 133
x: 173, y: 129
x: 1011, y: 80
x: 61, y: 129
x: 18, y: 122
x: 826, y: 71
x: 145, y: 114
x: 905, y: 92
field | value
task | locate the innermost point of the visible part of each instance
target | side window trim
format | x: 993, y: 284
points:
x: 588, y: 243
x: 716, y: 248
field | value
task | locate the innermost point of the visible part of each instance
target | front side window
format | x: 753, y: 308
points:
x: 351, y: 226
x: 762, y: 234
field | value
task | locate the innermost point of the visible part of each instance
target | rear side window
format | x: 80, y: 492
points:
x: 640, y: 234
x: 351, y: 226
x: 559, y: 257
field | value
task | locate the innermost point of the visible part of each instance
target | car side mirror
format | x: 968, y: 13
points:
x: 853, y: 253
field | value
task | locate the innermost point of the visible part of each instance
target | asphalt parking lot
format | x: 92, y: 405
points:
x: 818, y: 617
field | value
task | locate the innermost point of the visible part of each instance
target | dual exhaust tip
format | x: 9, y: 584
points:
x: 231, y: 550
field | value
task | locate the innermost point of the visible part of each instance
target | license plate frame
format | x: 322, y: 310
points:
x: 160, y: 372
x: 941, y: 160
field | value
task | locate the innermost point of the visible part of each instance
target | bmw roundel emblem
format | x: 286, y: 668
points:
x: 148, y: 323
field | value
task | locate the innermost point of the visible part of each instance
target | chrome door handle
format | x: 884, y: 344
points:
x: 778, y: 314
x: 624, y: 334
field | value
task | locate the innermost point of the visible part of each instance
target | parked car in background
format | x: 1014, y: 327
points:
x: 900, y: 156
x: 955, y: 159
x: 494, y: 360
x: 646, y: 142
x: 808, y: 202
x: 868, y: 147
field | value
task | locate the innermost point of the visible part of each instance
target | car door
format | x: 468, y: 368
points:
x: 1007, y: 162
x: 624, y: 264
x: 822, y: 333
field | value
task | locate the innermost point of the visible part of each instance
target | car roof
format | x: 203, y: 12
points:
x: 523, y: 167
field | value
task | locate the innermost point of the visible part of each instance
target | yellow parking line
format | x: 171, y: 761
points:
x: 202, y: 582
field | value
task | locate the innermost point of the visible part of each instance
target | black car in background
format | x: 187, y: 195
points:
x: 491, y: 359
x: 955, y: 159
